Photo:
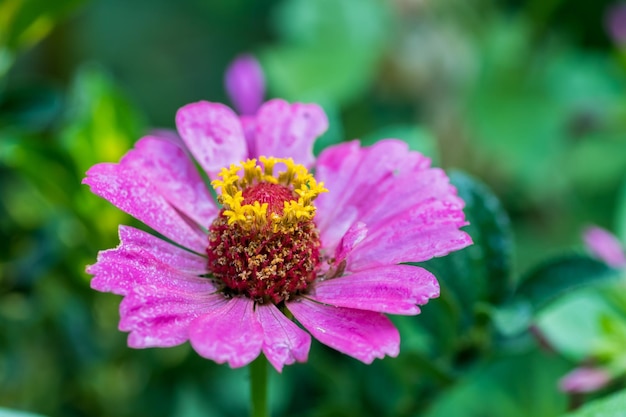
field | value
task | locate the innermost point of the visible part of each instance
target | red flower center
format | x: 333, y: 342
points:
x: 264, y: 245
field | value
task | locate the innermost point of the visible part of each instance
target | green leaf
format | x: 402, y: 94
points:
x: 101, y: 123
x: 330, y: 49
x: 611, y: 406
x: 520, y: 385
x: 23, y: 23
x: 561, y: 276
x: 5, y: 412
x: 620, y: 215
x: 597, y: 163
x: 572, y: 325
x: 546, y: 283
x: 545, y: 113
x: 30, y: 108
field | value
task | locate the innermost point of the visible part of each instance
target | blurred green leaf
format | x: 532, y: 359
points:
x: 620, y: 214
x: 30, y: 108
x: 330, y: 48
x: 611, y: 406
x: 546, y: 118
x: 546, y: 283
x: 414, y: 338
x: 25, y: 22
x: 191, y: 401
x: 572, y: 325
x: 4, y: 412
x: 513, y: 386
x: 418, y: 138
x: 597, y: 163
x: 560, y: 276
x: 101, y: 123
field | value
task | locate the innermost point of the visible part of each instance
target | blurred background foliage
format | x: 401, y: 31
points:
x: 524, y: 99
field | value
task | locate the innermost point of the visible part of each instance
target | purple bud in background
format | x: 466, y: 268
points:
x: 604, y: 246
x: 615, y: 23
x: 584, y: 379
x: 245, y: 84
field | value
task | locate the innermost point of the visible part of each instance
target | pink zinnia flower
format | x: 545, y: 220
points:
x: 605, y: 246
x: 615, y: 23
x: 584, y: 379
x: 324, y: 249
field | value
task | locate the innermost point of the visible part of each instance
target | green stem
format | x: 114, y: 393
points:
x: 258, y: 387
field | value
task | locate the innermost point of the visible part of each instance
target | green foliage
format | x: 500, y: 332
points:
x: 101, y: 124
x: 512, y: 386
x: 553, y: 279
x: 612, y: 406
x: 589, y: 325
x: 546, y: 283
x: 620, y: 214
x: 25, y: 22
x: 329, y: 51
x: 553, y: 113
x: 13, y: 413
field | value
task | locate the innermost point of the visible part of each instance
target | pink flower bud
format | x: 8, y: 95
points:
x: 584, y: 379
x: 602, y: 244
x: 245, y: 84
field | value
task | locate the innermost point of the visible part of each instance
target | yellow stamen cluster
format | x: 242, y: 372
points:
x: 237, y: 178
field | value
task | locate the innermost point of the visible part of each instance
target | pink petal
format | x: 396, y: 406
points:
x: 248, y: 123
x: 288, y: 130
x: 384, y: 178
x: 393, y: 289
x: 133, y: 192
x: 355, y: 235
x: 121, y: 269
x: 231, y: 333
x: 213, y: 134
x: 605, y: 246
x: 284, y: 343
x: 364, y: 335
x: 406, y: 190
x: 584, y: 379
x: 336, y: 167
x: 427, y: 230
x: 175, y: 177
x: 180, y: 259
x: 160, y: 318
x: 245, y: 84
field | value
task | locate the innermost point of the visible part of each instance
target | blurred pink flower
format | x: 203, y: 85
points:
x: 281, y: 246
x: 245, y: 84
x: 615, y: 23
x: 584, y: 379
x: 604, y: 245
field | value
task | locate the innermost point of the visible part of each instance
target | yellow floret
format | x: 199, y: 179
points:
x: 236, y: 178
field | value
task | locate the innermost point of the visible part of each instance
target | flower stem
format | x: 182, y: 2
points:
x: 258, y: 387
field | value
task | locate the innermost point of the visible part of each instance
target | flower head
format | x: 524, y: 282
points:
x: 615, y: 23
x: 605, y: 246
x: 322, y: 241
x: 584, y: 379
